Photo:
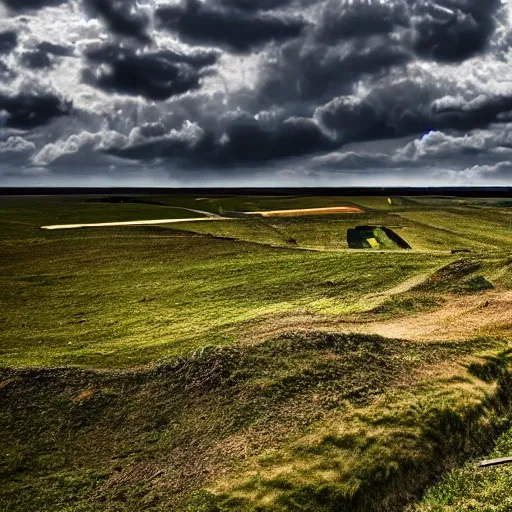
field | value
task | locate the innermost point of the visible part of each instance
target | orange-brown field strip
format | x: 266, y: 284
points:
x: 308, y: 211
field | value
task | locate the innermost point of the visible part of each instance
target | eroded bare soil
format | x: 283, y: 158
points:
x: 459, y: 318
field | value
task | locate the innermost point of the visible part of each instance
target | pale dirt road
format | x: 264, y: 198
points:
x: 133, y: 223
x: 459, y: 318
x: 207, y: 216
x: 201, y: 212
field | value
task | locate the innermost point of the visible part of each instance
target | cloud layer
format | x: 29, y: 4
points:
x: 326, y: 90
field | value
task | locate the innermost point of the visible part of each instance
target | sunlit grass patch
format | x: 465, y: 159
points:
x: 471, y: 487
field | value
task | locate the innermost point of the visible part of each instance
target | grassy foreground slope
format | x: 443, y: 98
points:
x: 316, y: 422
x: 132, y: 374
x: 127, y: 297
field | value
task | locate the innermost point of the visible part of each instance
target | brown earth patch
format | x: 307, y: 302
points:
x: 459, y: 318
x: 84, y: 395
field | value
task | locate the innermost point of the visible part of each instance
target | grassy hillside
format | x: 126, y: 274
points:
x: 126, y: 296
x: 202, y: 367
x: 314, y: 422
x: 19, y: 215
x: 119, y: 297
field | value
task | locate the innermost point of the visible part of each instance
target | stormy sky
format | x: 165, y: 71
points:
x: 255, y: 92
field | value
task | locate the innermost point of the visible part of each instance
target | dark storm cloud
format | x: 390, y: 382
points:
x: 162, y: 148
x: 250, y: 140
x: 35, y: 59
x: 55, y: 49
x: 388, y: 111
x: 233, y: 29
x: 340, y: 20
x: 16, y: 150
x: 308, y: 77
x: 243, y: 139
x: 310, y: 72
x: 122, y: 17
x: 43, y: 55
x: 353, y: 160
x: 463, y: 116
x: 255, y: 5
x: 350, y: 42
x: 6, y: 73
x: 442, y: 30
x: 29, y: 110
x: 365, y: 40
x: 453, y: 30
x: 155, y: 75
x: 28, y: 5
x: 8, y: 41
x: 407, y: 108
x: 317, y: 70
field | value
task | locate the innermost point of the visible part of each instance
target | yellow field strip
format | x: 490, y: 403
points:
x: 132, y: 223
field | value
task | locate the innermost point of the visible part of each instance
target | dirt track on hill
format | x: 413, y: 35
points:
x: 207, y: 216
x: 375, y: 299
x: 131, y: 223
x: 459, y: 318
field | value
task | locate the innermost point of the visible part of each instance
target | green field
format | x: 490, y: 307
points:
x: 230, y: 365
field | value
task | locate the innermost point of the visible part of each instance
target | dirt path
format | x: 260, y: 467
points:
x: 133, y: 223
x: 207, y: 216
x: 201, y: 212
x: 373, y: 300
x: 459, y: 318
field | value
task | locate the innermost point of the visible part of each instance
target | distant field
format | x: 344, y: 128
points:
x: 423, y: 230
x: 215, y: 366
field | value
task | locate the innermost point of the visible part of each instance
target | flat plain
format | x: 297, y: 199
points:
x: 254, y: 362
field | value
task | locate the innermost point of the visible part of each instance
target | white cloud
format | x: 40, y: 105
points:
x: 16, y: 145
x: 76, y: 147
